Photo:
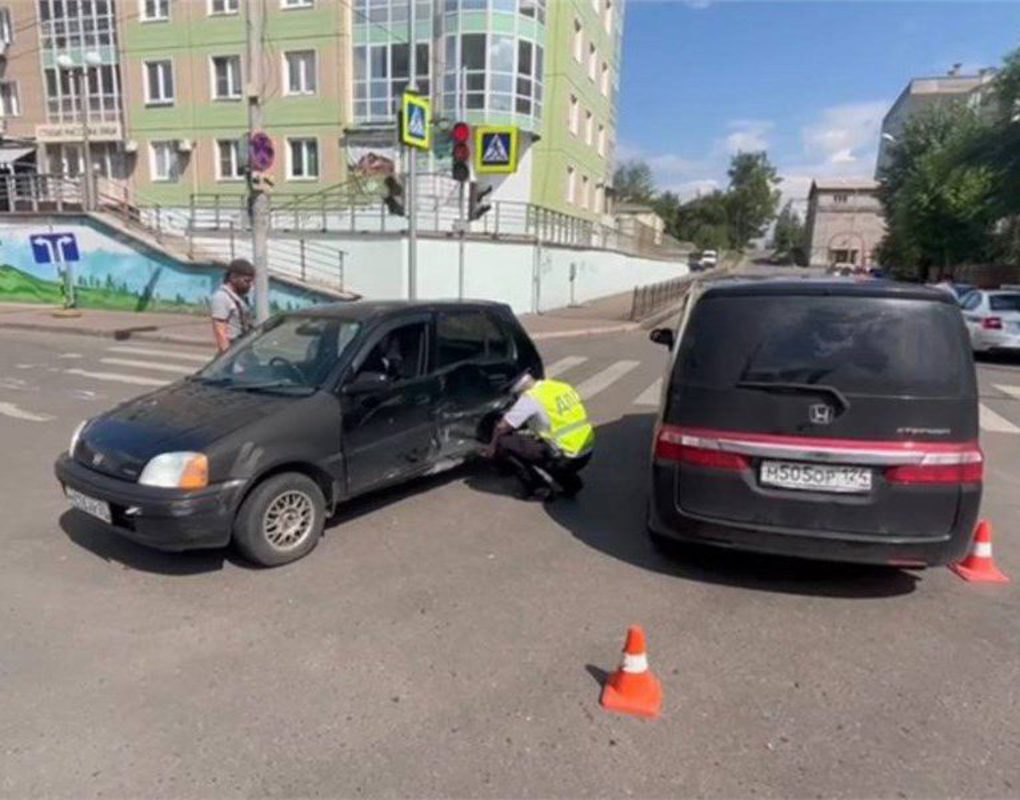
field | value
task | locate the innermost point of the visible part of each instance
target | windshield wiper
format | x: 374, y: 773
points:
x: 802, y: 388
x: 271, y: 385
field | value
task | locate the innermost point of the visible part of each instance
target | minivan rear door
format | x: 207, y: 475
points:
x: 831, y: 403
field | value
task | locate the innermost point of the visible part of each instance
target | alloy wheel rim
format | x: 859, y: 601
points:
x: 288, y: 520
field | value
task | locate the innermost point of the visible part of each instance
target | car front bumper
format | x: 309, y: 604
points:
x: 165, y: 519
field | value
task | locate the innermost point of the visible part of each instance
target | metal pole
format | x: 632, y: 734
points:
x: 410, y: 191
x: 86, y: 144
x: 461, y: 221
x: 258, y: 200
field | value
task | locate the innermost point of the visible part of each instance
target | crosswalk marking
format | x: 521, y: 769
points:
x: 650, y: 396
x: 145, y: 351
x: 118, y: 377
x: 128, y: 362
x: 11, y: 410
x: 1012, y: 391
x: 563, y: 365
x: 601, y: 381
x: 995, y: 423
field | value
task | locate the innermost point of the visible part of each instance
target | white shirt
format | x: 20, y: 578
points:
x: 528, y: 410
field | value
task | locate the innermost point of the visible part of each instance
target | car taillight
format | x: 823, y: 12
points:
x: 992, y: 323
x: 966, y: 467
x: 672, y: 445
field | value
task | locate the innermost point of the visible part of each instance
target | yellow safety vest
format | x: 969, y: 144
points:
x: 569, y: 429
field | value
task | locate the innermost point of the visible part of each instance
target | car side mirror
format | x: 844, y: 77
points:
x: 663, y: 336
x: 365, y: 382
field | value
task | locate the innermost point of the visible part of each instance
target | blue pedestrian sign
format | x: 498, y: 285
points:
x: 496, y: 149
x: 416, y: 121
x: 54, y: 248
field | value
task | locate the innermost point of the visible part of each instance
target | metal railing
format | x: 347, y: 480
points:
x: 657, y: 296
x: 40, y: 193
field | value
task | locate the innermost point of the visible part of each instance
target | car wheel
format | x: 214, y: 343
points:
x: 281, y: 520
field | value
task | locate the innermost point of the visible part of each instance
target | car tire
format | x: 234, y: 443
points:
x: 281, y: 520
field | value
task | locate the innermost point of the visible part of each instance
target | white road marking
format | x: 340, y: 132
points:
x: 561, y: 366
x: 995, y: 423
x: 650, y: 396
x: 145, y: 351
x: 601, y: 381
x: 26, y: 366
x: 117, y: 377
x: 1012, y: 391
x: 11, y: 410
x: 70, y: 355
x: 130, y: 362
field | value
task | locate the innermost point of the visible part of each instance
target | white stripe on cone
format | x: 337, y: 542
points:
x: 982, y: 549
x: 635, y: 663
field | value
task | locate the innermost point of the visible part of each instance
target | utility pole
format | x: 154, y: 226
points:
x: 461, y: 223
x: 411, y: 190
x: 258, y: 200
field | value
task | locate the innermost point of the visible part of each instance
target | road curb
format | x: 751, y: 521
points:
x: 118, y: 334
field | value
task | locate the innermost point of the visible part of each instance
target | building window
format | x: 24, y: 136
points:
x: 300, y: 72
x: 6, y: 29
x: 602, y: 140
x: 74, y: 24
x: 600, y: 195
x: 529, y: 8
x: 159, y: 82
x: 303, y: 159
x: 380, y: 77
x: 10, y: 102
x: 223, y: 6
x: 571, y: 184
x: 584, y: 192
x: 578, y: 41
x: 163, y: 161
x: 841, y: 198
x: 226, y: 75
x: 574, y: 119
x: 228, y: 161
x: 154, y: 10
x: 605, y: 79
x: 101, y: 85
x: 297, y: 3
x: 608, y: 16
x: 593, y: 60
x: 589, y: 129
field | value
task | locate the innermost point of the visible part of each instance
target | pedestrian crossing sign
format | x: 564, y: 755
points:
x: 416, y: 121
x: 496, y: 148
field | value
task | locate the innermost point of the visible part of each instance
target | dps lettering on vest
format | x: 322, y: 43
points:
x: 569, y: 430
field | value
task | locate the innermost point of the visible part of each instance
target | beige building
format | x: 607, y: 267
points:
x: 641, y: 222
x: 844, y: 222
x: 22, y: 100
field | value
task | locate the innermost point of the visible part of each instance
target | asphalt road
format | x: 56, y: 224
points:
x: 449, y: 640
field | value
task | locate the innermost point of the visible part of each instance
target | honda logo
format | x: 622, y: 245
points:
x: 820, y: 414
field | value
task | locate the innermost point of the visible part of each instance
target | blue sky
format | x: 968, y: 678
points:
x: 809, y: 81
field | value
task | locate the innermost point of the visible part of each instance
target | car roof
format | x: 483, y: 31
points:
x: 748, y: 286
x: 363, y: 310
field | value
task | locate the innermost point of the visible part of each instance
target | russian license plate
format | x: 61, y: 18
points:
x: 816, y: 477
x: 97, y: 508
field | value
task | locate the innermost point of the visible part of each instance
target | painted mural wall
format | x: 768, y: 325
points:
x: 110, y: 270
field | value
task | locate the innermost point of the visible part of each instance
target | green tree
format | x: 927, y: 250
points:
x: 788, y: 237
x: 752, y: 198
x: 633, y: 182
x: 705, y: 222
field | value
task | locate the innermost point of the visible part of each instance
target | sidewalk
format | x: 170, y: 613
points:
x: 603, y: 316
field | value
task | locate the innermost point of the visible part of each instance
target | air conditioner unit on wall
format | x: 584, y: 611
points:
x: 131, y: 146
x: 185, y: 146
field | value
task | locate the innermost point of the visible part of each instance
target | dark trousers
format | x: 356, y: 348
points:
x: 535, y: 462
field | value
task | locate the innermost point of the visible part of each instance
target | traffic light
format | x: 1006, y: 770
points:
x: 461, y: 151
x: 394, y: 198
x: 475, y: 196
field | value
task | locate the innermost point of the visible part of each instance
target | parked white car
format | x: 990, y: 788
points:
x: 709, y: 259
x: 992, y: 319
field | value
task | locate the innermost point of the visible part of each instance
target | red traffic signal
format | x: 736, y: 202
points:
x: 461, y: 132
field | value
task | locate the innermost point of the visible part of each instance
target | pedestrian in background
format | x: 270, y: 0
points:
x: 231, y: 313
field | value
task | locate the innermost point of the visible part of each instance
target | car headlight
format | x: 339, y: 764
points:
x: 176, y: 471
x: 76, y: 436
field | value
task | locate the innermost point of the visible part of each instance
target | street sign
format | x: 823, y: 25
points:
x: 54, y: 248
x: 261, y: 152
x: 416, y: 121
x: 496, y: 149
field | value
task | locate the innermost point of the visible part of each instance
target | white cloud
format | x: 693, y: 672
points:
x: 747, y: 136
x: 844, y: 134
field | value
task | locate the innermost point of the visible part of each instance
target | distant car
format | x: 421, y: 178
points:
x: 824, y: 419
x: 709, y: 259
x: 317, y: 407
x: 992, y: 319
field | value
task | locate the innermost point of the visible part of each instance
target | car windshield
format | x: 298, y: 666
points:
x: 292, y: 353
x: 854, y: 345
x: 1004, y: 302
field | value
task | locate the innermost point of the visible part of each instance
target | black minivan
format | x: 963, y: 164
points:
x: 317, y: 407
x: 828, y: 419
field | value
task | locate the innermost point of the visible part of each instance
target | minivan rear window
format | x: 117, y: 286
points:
x: 859, y: 345
x: 1004, y: 302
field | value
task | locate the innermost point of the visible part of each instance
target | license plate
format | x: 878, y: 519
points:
x: 816, y: 477
x: 97, y: 508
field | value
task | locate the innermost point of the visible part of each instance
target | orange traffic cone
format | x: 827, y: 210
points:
x: 978, y: 566
x: 633, y: 689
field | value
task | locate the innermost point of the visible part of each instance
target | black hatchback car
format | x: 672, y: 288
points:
x: 313, y: 409
x: 827, y: 419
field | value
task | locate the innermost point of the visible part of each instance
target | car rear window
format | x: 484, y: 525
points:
x: 1004, y: 302
x: 859, y: 345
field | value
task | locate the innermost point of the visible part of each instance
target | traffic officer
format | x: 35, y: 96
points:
x: 545, y: 437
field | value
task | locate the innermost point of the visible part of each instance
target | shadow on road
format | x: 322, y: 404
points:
x: 609, y: 515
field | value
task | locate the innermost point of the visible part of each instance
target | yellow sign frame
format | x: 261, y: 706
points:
x: 415, y: 100
x: 481, y: 168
